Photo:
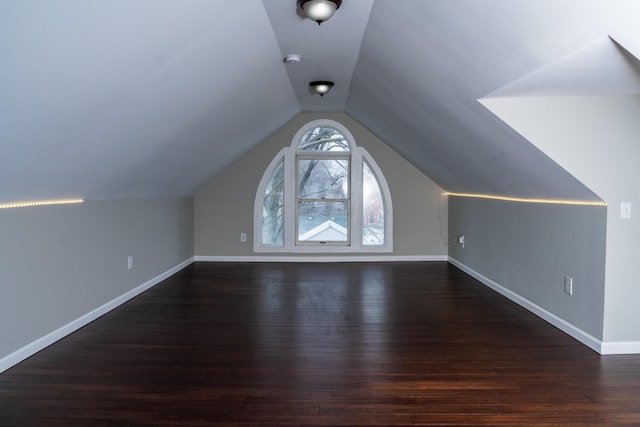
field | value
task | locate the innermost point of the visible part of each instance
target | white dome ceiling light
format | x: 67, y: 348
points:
x: 320, y: 87
x: 319, y: 10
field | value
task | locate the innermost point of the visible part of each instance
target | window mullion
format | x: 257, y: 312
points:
x: 290, y: 200
x: 356, y: 199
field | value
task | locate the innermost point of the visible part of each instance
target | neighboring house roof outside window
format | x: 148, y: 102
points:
x: 327, y: 231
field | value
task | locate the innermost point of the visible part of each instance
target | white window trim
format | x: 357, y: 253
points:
x: 341, y: 155
x: 358, y: 155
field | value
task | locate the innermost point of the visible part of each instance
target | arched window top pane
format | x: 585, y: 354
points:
x: 323, y: 139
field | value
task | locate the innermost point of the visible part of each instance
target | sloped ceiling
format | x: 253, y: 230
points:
x: 144, y: 98
x: 133, y: 98
x: 427, y: 81
x: 601, y: 68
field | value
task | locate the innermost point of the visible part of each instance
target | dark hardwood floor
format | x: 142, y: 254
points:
x: 320, y: 344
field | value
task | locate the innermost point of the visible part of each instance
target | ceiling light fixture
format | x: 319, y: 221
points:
x: 320, y: 87
x: 319, y: 10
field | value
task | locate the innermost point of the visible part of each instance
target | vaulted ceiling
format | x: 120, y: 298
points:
x: 146, y: 98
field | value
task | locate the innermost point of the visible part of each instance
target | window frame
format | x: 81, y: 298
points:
x: 324, y: 155
x: 289, y: 156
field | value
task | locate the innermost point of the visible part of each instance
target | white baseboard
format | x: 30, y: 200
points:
x: 602, y: 347
x: 323, y: 258
x: 605, y: 348
x: 45, y: 341
x: 577, y: 333
x: 624, y: 347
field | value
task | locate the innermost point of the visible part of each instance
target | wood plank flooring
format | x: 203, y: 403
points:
x: 320, y: 344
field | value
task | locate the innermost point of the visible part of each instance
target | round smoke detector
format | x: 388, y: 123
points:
x: 292, y: 59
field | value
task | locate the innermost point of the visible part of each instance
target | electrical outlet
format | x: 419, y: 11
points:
x: 461, y: 240
x: 130, y: 263
x: 568, y: 285
x: 243, y: 237
x: 625, y: 210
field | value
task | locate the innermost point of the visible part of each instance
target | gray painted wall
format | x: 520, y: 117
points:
x: 530, y: 248
x: 58, y: 263
x: 595, y: 138
x: 224, y: 206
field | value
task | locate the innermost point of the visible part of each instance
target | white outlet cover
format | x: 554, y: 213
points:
x: 625, y: 210
x: 568, y: 285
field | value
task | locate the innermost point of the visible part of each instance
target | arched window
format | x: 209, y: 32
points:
x: 323, y: 194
